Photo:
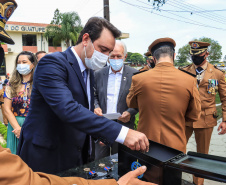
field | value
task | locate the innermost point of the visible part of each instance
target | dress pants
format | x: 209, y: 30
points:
x: 102, y: 151
x: 202, y: 138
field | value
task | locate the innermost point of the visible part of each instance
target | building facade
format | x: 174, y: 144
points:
x: 27, y: 37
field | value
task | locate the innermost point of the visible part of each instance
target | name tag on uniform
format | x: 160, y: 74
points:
x: 212, y: 86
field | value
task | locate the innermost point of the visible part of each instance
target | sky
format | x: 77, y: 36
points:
x: 139, y: 19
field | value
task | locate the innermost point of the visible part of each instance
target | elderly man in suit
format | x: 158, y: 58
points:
x: 164, y: 100
x: 55, y: 134
x: 112, y: 85
x: 210, y: 80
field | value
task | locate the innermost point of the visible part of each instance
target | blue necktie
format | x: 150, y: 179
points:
x: 85, y: 75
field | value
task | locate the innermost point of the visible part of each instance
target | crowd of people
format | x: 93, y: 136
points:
x: 56, y: 105
x: 60, y: 100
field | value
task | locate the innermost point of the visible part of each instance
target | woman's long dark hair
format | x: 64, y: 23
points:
x: 16, y: 79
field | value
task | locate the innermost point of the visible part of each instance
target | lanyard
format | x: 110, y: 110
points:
x: 25, y: 94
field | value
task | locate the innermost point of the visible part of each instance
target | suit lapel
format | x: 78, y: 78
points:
x: 208, y: 75
x: 91, y: 89
x: 74, y: 63
x: 105, y: 85
x: 123, y: 83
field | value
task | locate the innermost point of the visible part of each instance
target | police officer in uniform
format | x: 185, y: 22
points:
x: 210, y: 80
x: 150, y: 62
x: 163, y: 99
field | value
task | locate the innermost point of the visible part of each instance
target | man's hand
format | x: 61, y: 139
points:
x: 136, y: 141
x: 125, y: 117
x: 101, y: 143
x: 98, y: 111
x: 222, y: 127
x: 131, y: 177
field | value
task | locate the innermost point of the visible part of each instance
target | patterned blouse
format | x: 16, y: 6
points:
x: 20, y: 104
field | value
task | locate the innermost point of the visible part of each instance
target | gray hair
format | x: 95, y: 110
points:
x: 123, y: 45
x: 163, y: 52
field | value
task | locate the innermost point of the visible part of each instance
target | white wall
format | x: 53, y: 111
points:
x: 18, y: 47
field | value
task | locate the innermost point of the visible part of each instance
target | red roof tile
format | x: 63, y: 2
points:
x: 27, y: 24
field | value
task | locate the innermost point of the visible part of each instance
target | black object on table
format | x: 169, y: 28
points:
x: 106, y: 168
x: 165, y: 165
x: 100, y: 172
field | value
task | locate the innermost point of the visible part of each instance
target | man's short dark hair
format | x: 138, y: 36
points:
x: 94, y: 27
x: 163, y: 52
x: 39, y: 52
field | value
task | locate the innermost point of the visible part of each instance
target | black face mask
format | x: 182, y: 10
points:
x: 197, y: 60
x: 152, y: 65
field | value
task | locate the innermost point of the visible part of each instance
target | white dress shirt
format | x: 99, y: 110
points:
x: 114, y: 84
x: 122, y: 135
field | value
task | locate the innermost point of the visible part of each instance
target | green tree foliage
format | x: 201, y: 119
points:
x: 57, y: 17
x: 137, y: 58
x: 183, y: 57
x: 128, y: 56
x: 158, y: 3
x: 64, y: 27
x: 184, y: 54
x: 214, y: 49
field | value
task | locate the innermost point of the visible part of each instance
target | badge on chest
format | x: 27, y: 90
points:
x: 212, y: 86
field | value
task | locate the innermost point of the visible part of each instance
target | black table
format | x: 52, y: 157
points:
x: 101, y: 173
x: 94, y: 166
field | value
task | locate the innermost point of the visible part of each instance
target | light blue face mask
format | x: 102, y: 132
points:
x: 23, y: 69
x: 116, y: 64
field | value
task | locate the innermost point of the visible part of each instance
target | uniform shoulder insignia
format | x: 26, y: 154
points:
x: 136, y: 73
x: 181, y: 67
x: 218, y: 69
x: 187, y: 72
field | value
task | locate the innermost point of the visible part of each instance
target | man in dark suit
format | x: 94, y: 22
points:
x: 54, y: 135
x: 112, y: 85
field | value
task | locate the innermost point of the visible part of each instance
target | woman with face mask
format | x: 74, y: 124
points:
x: 17, y: 96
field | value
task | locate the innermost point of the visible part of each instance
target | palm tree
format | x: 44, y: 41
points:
x: 67, y: 28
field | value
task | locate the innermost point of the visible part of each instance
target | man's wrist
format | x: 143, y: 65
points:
x: 122, y: 135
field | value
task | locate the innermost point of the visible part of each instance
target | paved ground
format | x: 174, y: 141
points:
x: 217, y: 147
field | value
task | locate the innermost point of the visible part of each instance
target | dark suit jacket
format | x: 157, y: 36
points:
x: 54, y: 134
x: 100, y: 92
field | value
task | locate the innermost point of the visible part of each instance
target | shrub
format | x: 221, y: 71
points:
x: 136, y: 121
x: 3, y: 132
x: 3, y: 145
